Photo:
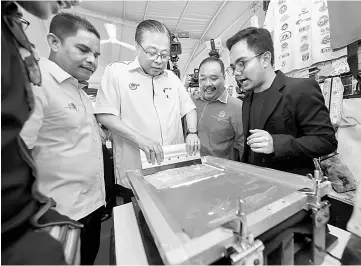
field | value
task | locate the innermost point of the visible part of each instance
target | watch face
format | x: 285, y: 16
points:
x: 192, y: 132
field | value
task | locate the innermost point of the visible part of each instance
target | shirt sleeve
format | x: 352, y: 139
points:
x: 108, y: 95
x: 317, y: 136
x: 238, y: 129
x: 186, y: 102
x: 32, y: 126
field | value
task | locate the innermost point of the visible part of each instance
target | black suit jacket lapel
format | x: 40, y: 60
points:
x: 273, y: 97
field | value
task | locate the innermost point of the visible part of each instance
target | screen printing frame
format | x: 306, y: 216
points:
x: 175, y: 247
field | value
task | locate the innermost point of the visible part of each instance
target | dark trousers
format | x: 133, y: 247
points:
x: 125, y: 193
x: 90, y: 237
x: 109, y: 179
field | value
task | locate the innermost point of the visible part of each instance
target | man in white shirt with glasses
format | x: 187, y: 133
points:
x: 142, y: 103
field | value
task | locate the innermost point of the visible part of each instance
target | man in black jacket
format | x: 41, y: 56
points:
x: 24, y: 211
x: 286, y: 123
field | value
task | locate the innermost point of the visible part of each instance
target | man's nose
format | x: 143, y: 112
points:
x: 158, y: 60
x: 237, y: 74
x: 91, y: 58
x: 208, y: 83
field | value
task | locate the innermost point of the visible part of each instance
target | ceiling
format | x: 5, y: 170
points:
x: 203, y: 20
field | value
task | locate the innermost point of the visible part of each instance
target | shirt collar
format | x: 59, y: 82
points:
x: 57, y: 72
x: 223, y: 98
x: 136, y: 66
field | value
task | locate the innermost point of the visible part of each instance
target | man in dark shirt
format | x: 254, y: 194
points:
x: 23, y: 210
x: 286, y: 123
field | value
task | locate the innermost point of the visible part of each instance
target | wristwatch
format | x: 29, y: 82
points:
x: 192, y: 132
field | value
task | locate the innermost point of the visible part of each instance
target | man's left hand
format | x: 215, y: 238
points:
x: 193, y: 144
x: 260, y: 141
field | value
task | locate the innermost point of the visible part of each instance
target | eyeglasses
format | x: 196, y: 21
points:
x: 24, y: 23
x: 240, y: 65
x: 154, y: 56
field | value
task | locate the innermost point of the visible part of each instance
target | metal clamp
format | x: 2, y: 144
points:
x: 246, y: 250
x: 320, y: 209
x: 320, y: 216
x: 317, y: 164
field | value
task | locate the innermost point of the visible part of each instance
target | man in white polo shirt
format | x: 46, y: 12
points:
x: 63, y: 133
x: 142, y: 103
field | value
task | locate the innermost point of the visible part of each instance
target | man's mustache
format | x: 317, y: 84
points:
x: 210, y: 87
x: 239, y: 84
x: 68, y: 4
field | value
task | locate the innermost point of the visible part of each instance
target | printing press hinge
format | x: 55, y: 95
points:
x: 245, y: 250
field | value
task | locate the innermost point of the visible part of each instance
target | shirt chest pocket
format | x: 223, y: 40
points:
x: 220, y: 129
x: 166, y: 102
x: 166, y: 96
x: 66, y: 115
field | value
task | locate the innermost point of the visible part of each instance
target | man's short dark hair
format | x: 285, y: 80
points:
x: 64, y: 25
x: 152, y: 26
x: 258, y: 40
x: 213, y: 59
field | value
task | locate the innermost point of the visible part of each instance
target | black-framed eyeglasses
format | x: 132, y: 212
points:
x: 240, y: 65
x: 154, y: 56
x: 23, y: 23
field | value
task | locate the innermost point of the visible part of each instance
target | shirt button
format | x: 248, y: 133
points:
x: 95, y: 139
x: 108, y: 144
x: 263, y: 160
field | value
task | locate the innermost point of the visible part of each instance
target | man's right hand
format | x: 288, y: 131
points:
x: 152, y: 149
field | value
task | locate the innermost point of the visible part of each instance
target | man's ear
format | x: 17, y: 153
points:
x: 267, y: 59
x: 137, y: 48
x: 54, y: 42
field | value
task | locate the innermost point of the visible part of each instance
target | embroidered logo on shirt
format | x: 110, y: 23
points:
x: 284, y: 26
x: 323, y: 7
x: 72, y: 106
x: 165, y: 90
x: 283, y: 9
x: 222, y: 114
x: 322, y: 21
x: 133, y: 86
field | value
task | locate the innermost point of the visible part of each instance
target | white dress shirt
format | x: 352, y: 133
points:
x: 153, y: 106
x: 66, y: 144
